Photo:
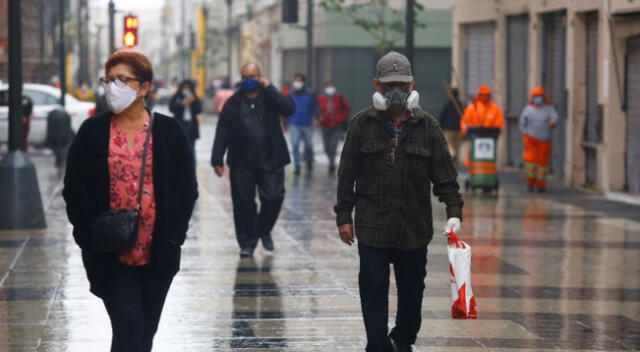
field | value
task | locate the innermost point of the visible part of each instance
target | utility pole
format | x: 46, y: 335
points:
x: 183, y: 45
x: 20, y: 203
x: 83, y: 36
x: 229, y: 29
x: 309, y: 58
x: 112, y: 28
x: 98, y: 51
x: 63, y: 58
x: 409, y: 31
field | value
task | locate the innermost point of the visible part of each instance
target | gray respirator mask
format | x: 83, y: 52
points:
x: 396, y: 98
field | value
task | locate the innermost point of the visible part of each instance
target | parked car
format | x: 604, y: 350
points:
x: 45, y: 99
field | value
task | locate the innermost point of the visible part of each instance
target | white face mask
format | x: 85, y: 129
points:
x: 119, y: 99
x: 330, y: 90
x: 297, y: 85
x: 381, y: 103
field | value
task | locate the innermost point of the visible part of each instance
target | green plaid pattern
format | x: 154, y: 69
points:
x: 393, y: 202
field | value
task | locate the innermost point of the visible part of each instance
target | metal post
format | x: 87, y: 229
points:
x: 409, y: 31
x: 309, y: 58
x: 183, y: 46
x: 15, y: 77
x: 20, y: 204
x: 229, y: 29
x: 112, y: 28
x: 63, y: 58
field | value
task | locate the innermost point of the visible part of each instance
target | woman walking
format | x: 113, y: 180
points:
x: 186, y: 106
x: 104, y: 173
x: 536, y: 121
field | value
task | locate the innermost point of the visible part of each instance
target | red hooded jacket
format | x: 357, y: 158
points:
x: 341, y: 110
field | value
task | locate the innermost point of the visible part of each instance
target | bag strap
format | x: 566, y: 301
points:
x: 144, y: 162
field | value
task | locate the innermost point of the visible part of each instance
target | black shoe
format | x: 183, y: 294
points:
x: 399, y: 347
x: 267, y: 243
x: 541, y: 190
x: 531, y: 189
x: 296, y: 171
x: 332, y: 169
x: 246, y: 252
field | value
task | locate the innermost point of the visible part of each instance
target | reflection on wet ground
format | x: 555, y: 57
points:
x: 550, y: 273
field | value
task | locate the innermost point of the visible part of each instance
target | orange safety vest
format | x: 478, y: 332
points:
x: 478, y: 114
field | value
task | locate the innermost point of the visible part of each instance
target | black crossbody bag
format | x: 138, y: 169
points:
x: 116, y: 231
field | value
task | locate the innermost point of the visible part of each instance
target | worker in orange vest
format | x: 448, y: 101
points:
x: 482, y: 112
x: 536, y: 121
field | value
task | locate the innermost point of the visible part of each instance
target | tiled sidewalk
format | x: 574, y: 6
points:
x: 549, y: 275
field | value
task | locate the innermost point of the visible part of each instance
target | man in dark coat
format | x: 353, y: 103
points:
x: 449, y: 120
x: 393, y: 157
x: 249, y: 127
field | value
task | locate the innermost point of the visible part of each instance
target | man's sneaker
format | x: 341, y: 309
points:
x: 246, y: 252
x: 267, y: 243
x: 399, y: 347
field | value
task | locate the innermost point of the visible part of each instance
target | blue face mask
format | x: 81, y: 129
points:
x: 538, y: 100
x: 249, y: 85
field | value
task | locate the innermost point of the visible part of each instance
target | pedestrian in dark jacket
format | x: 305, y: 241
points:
x: 449, y: 120
x: 102, y: 174
x: 249, y: 128
x: 334, y: 110
x: 186, y: 106
x: 394, y: 152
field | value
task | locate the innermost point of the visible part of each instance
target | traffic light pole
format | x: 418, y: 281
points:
x: 112, y: 27
x: 309, y: 58
x: 63, y: 58
x: 20, y: 203
x: 410, y: 30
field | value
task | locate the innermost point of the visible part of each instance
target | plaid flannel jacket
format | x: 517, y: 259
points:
x: 393, y: 202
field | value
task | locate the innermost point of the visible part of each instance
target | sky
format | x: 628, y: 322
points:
x: 131, y: 4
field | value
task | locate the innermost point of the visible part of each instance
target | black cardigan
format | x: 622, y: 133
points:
x: 229, y: 130
x: 86, y: 192
x: 193, y: 128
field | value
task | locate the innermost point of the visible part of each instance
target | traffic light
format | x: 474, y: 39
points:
x: 130, y: 36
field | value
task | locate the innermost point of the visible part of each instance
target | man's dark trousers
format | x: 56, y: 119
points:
x: 251, y: 224
x: 410, y: 271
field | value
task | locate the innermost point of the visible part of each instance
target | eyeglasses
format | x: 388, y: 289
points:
x: 120, y: 81
x: 393, y: 145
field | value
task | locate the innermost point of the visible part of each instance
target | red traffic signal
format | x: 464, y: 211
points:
x: 130, y: 36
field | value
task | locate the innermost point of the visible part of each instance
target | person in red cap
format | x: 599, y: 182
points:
x: 482, y: 112
x: 536, y: 121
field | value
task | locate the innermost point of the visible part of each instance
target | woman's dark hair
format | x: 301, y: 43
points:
x: 192, y: 88
x: 140, y: 64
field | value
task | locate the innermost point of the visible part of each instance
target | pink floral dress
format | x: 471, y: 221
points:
x: 124, y: 176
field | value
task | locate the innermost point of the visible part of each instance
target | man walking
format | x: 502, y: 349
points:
x: 449, y: 120
x: 249, y: 127
x: 394, y: 152
x: 301, y: 122
x: 335, y: 110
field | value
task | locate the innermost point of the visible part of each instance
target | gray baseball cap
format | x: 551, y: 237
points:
x: 394, y: 67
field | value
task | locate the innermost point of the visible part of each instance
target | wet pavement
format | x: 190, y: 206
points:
x: 557, y: 271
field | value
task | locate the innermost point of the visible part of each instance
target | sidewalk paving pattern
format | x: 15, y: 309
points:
x: 551, y: 272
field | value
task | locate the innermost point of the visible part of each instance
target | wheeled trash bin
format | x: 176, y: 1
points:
x: 482, y: 159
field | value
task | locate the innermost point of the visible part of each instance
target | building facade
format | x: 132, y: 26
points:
x: 343, y: 52
x: 586, y: 54
x: 40, y: 22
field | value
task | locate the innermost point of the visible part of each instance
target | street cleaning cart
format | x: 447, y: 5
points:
x: 482, y: 159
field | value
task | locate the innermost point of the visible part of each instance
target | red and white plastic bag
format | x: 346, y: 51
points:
x: 464, y: 303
